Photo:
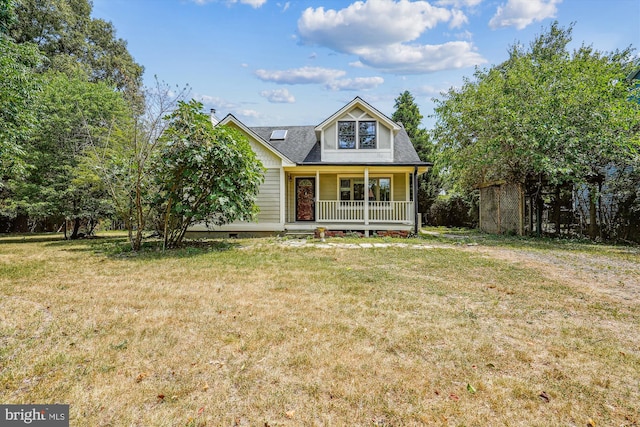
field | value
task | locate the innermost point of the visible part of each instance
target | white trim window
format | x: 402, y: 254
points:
x: 380, y: 189
x: 353, y: 188
x: 357, y: 134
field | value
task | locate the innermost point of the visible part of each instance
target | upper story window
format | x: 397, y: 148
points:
x: 357, y: 134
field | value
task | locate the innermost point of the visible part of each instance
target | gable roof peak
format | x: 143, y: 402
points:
x: 359, y: 102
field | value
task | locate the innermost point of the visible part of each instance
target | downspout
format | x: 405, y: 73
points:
x: 366, y: 198
x: 415, y: 200
x: 316, y: 200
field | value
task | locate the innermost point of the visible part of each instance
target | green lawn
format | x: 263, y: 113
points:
x: 430, y: 331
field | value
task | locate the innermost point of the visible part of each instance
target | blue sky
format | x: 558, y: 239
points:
x: 276, y: 62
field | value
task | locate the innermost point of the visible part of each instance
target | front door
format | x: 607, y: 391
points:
x: 305, y: 199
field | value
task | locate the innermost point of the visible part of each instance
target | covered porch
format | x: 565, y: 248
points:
x: 366, y: 198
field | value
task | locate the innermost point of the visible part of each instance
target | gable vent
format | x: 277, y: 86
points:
x: 278, y: 135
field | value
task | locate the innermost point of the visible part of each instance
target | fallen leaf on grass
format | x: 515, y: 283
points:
x: 471, y: 389
x: 142, y: 376
x: 205, y: 387
x: 290, y: 414
x: 591, y: 423
x: 160, y: 398
x: 544, y: 396
x: 454, y: 397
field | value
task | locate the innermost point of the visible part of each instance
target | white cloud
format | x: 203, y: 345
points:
x: 278, y: 96
x: 378, y: 32
x: 521, y: 13
x: 216, y: 102
x: 465, y: 35
x: 358, y: 83
x: 253, y: 3
x: 329, y: 77
x: 285, y: 6
x: 458, y: 18
x: 459, y: 3
x: 253, y: 114
x: 428, y: 90
x: 302, y: 75
x: 224, y: 107
x: 407, y: 59
x: 371, y: 23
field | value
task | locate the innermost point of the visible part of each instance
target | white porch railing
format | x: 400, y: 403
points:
x: 354, y: 211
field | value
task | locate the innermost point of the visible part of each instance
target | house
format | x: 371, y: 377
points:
x: 355, y: 171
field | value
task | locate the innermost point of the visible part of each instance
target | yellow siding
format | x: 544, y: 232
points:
x: 269, y: 197
x: 400, y: 187
x: 328, y: 187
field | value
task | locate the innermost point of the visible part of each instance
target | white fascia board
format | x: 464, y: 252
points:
x: 231, y: 118
x: 359, y: 102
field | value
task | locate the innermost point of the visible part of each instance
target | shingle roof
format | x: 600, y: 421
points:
x: 300, y: 140
x: 302, y: 147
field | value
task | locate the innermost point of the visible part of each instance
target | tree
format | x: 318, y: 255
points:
x: 122, y: 159
x: 546, y: 115
x: 72, y: 40
x: 407, y: 112
x: 19, y: 88
x: 95, y: 63
x: 72, y: 111
x: 205, y: 174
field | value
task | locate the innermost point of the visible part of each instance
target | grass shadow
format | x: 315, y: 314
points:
x: 31, y: 238
x: 116, y: 245
x: 120, y: 248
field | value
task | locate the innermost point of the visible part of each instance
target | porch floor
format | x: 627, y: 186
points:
x: 345, y: 226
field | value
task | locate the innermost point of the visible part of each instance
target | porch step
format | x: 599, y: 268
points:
x: 302, y: 234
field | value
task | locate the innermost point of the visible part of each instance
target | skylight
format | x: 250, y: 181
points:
x: 278, y: 134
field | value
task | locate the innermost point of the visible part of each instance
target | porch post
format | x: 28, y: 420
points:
x: 415, y: 201
x: 283, y: 198
x: 366, y: 196
x: 316, y: 205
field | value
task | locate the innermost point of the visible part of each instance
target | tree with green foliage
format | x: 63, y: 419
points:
x: 407, y: 112
x: 72, y: 40
x: 546, y: 115
x: 19, y: 89
x: 205, y: 174
x: 71, y: 113
x: 122, y: 159
x: 87, y: 77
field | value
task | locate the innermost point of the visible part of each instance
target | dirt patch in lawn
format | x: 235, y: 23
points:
x: 617, y: 278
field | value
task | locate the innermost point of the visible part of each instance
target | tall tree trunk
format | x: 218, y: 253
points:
x: 76, y: 228
x: 539, y: 209
x: 593, y: 228
x: 556, y: 210
x: 140, y: 220
x: 601, y: 224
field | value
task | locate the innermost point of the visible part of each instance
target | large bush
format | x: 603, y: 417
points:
x: 451, y: 211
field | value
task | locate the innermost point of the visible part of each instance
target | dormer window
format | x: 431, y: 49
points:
x: 357, y: 134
